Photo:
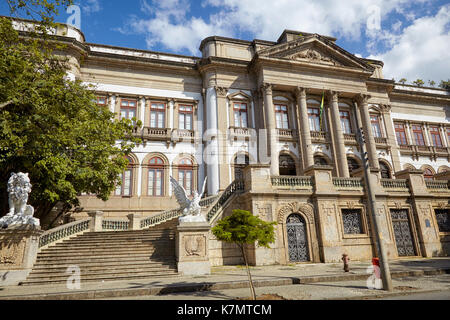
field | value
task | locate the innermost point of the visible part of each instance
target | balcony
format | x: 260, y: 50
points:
x: 438, y: 185
x: 395, y: 184
x: 290, y: 135
x: 350, y: 139
x: 319, y: 137
x: 425, y: 151
x: 236, y: 133
x: 180, y: 135
x: 348, y: 183
x: 381, y: 141
x: 294, y: 182
x: 154, y: 134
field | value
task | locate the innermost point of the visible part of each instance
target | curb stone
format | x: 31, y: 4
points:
x: 211, y: 286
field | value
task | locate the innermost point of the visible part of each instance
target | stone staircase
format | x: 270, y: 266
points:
x: 109, y: 256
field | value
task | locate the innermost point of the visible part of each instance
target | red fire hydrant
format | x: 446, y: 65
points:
x: 346, y: 259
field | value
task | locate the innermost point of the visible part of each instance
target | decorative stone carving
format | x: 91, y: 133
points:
x: 264, y: 211
x: 296, y: 207
x: 191, y: 208
x: 20, y: 213
x: 313, y: 56
x: 194, y: 245
x: 221, y: 92
x: 12, y: 254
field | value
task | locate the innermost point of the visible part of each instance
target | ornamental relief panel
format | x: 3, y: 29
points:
x: 11, y: 254
x: 194, y: 245
x: 296, y: 207
x: 264, y: 211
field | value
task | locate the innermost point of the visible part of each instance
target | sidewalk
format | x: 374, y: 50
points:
x: 227, y: 277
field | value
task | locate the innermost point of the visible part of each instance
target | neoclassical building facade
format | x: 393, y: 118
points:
x: 282, y: 117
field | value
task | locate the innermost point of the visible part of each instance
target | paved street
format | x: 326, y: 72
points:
x: 327, y: 291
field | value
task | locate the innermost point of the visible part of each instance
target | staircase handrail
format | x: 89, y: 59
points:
x: 237, y: 186
x: 64, y: 231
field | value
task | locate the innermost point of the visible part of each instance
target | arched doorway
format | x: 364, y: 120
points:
x: 385, y: 170
x: 298, y: 248
x: 287, y: 166
x: 240, y: 162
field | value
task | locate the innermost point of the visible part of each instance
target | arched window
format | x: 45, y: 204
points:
x: 186, y: 175
x: 320, y: 161
x: 240, y: 162
x: 156, y: 177
x: 352, y: 164
x: 385, y: 171
x: 287, y: 166
x: 428, y: 174
x: 125, y: 189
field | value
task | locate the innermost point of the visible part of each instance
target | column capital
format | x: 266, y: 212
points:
x: 363, y: 99
x: 385, y: 108
x: 333, y: 96
x: 300, y: 92
x: 221, y: 91
x: 267, y: 88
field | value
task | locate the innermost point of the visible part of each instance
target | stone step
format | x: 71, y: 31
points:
x: 127, y: 233
x: 83, y: 257
x: 150, y: 275
x: 112, y: 242
x: 106, y: 246
x: 94, y: 274
x: 86, y: 270
x: 127, y: 237
x: 111, y: 259
x: 111, y: 264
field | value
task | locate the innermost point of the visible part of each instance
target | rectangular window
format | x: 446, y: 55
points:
x: 240, y: 115
x: 185, y: 117
x: 435, y: 137
x: 101, y: 101
x: 345, y: 122
x: 443, y: 219
x: 185, y: 180
x: 400, y: 134
x: 155, y: 182
x: 314, y: 119
x: 352, y: 221
x: 418, y: 134
x: 127, y: 109
x: 125, y: 188
x: 281, y: 116
x: 157, y: 115
x: 376, y: 127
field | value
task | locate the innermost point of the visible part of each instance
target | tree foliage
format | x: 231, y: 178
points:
x: 419, y: 82
x: 243, y: 228
x: 53, y: 129
x: 445, y: 84
x: 402, y: 80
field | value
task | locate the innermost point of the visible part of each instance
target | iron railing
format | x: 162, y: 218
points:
x: 237, y: 186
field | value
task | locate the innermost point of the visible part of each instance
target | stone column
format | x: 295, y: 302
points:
x: 222, y: 125
x: 308, y: 156
x: 391, y: 138
x: 171, y: 115
x: 96, y: 223
x: 272, y: 129
x: 18, y: 252
x: 212, y: 145
x: 340, y: 152
x: 192, y: 248
x: 363, y: 106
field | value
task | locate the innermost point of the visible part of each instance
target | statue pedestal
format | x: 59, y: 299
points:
x: 18, y: 251
x: 192, y: 248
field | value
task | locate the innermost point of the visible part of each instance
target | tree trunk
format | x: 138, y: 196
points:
x: 250, y: 281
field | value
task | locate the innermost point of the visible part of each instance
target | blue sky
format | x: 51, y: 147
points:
x: 412, y: 37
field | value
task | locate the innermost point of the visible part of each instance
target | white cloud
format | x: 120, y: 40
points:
x: 170, y: 24
x: 422, y: 50
x: 91, y: 6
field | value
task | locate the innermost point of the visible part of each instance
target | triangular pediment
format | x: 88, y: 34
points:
x: 314, y: 49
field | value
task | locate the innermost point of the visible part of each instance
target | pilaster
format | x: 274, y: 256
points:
x: 340, y: 152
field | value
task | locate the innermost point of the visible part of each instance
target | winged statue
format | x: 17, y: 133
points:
x: 191, y: 208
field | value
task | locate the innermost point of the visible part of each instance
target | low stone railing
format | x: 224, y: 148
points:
x: 64, y: 231
x: 380, y: 140
x: 115, y: 224
x: 236, y: 187
x: 441, y: 185
x: 292, y: 181
x: 394, y: 183
x: 160, y: 218
x: 348, y: 183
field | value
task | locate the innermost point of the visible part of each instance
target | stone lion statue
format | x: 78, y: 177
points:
x: 20, y: 213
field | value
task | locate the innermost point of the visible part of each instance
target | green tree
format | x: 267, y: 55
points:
x: 432, y: 83
x: 419, y: 82
x: 402, y: 81
x: 243, y: 228
x: 445, y: 84
x: 52, y: 128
